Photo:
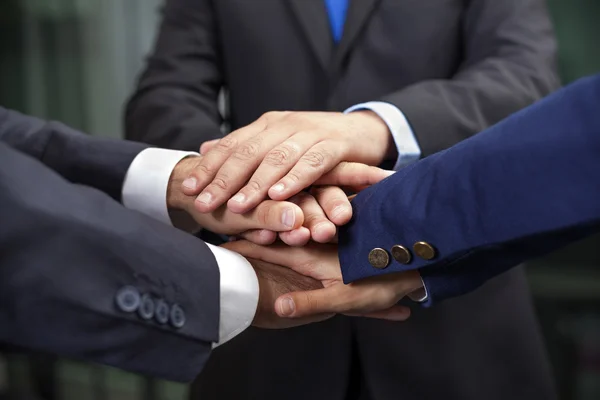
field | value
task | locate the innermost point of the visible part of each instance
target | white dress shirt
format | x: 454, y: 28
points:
x: 404, y: 137
x: 145, y: 190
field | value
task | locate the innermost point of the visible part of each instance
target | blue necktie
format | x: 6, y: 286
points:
x: 337, y: 10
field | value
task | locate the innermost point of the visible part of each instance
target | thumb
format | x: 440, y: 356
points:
x: 308, y: 303
x: 207, y: 146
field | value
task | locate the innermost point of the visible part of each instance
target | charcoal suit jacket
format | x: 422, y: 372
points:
x: 82, y: 276
x: 453, y: 67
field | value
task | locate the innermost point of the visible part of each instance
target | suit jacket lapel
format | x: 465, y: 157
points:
x: 359, y: 13
x: 312, y: 16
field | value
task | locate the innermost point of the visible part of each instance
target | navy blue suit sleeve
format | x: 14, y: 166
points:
x: 520, y: 189
x: 67, y: 251
x: 100, y: 163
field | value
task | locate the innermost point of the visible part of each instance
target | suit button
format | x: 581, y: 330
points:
x: 424, y: 250
x: 161, y: 312
x: 177, y: 316
x: 401, y: 254
x: 146, y: 310
x: 128, y: 299
x: 379, y: 258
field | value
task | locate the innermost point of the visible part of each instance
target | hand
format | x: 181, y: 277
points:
x: 325, y: 208
x: 269, y: 217
x: 320, y: 207
x: 273, y: 282
x: 282, y: 153
x: 373, y: 297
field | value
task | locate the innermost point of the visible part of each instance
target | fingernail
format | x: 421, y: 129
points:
x: 190, y: 183
x: 280, y: 187
x: 239, y: 198
x: 289, y: 217
x: 205, y: 198
x: 339, y: 211
x: 390, y: 173
x: 286, y: 307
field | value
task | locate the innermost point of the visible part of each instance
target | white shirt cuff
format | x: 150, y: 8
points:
x: 147, y: 180
x: 420, y: 295
x: 404, y: 137
x: 239, y: 293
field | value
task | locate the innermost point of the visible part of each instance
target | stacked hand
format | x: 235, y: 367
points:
x: 281, y: 154
x: 373, y: 297
x: 265, y: 167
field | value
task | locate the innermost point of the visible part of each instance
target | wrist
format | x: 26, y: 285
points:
x: 378, y: 141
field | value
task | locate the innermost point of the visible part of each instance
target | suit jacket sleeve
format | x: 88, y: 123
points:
x: 97, y: 162
x: 508, y: 63
x: 176, y: 102
x: 67, y: 251
x: 518, y: 190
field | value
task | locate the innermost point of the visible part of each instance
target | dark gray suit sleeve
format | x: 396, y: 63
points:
x: 67, y: 251
x: 509, y: 62
x: 176, y: 102
x: 97, y: 162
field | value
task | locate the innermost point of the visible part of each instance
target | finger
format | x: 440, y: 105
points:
x: 321, y: 229
x: 334, y: 202
x: 316, y: 261
x: 354, y: 174
x: 395, y: 313
x: 259, y: 236
x: 311, y: 302
x: 208, y: 146
x: 362, y: 297
x: 237, y: 170
x: 316, y: 162
x: 297, y: 237
x: 278, y: 216
x: 213, y: 160
x: 338, y: 299
x: 275, y: 165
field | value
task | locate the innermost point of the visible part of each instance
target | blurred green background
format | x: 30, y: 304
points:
x: 77, y: 60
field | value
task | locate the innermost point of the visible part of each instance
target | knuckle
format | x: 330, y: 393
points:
x: 314, y: 159
x: 226, y: 144
x: 221, y: 183
x: 269, y: 115
x: 204, y: 169
x: 247, y: 150
x: 254, y: 185
x: 312, y: 303
x: 280, y: 155
x: 273, y: 115
x: 294, y: 176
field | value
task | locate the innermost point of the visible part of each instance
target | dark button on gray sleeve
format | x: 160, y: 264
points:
x: 177, y: 316
x: 128, y: 299
x: 161, y: 312
x: 146, y: 310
